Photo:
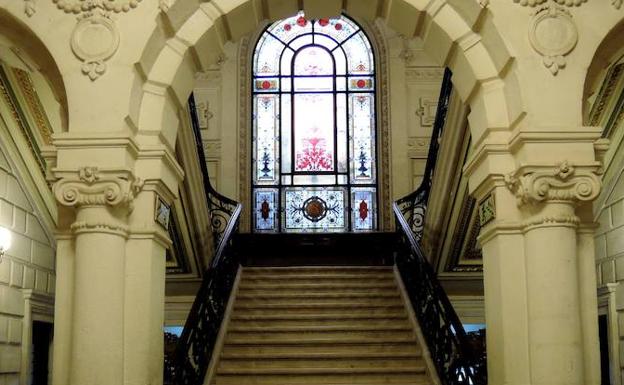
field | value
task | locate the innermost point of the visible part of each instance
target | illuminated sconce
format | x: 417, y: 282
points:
x: 5, y: 241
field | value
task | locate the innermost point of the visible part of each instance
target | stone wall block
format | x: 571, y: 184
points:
x: 608, y: 271
x: 16, y: 195
x: 3, y: 182
x: 17, y: 274
x: 41, y: 280
x: 9, y: 379
x: 4, y: 329
x: 52, y: 283
x: 34, y: 229
x: 20, y: 247
x: 617, y: 213
x: 29, y: 277
x: 600, y: 243
x: 604, y: 221
x: 11, y: 301
x: 19, y: 220
x: 6, y: 214
x: 619, y: 269
x: 5, y: 271
x: 42, y: 255
x: 15, y: 331
x: 10, y: 362
x: 4, y: 164
x: 618, y: 191
x: 615, y: 242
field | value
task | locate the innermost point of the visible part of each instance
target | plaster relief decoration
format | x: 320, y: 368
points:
x: 95, y: 187
x: 95, y: 37
x: 565, y: 182
x: 204, y: 114
x: 553, y: 35
x: 487, y: 210
x: 552, y: 31
x: 427, y: 110
x: 617, y: 3
x: 29, y: 7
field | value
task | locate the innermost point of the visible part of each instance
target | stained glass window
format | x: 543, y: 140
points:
x: 314, y: 142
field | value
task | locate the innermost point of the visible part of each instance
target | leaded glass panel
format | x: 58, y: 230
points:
x: 315, y: 209
x: 266, y: 209
x: 314, y: 127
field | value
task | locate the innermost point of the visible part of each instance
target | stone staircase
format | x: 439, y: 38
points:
x: 319, y: 325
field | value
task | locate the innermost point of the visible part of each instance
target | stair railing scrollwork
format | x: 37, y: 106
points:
x: 455, y: 359
x: 196, y: 344
x: 414, y: 205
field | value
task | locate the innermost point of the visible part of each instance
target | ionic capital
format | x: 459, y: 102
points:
x: 561, y: 183
x: 90, y: 186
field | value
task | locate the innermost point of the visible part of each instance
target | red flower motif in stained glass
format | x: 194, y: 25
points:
x: 301, y: 21
x: 338, y: 27
x: 287, y: 27
x: 314, y: 157
x: 361, y: 83
x: 323, y: 22
x: 363, y: 210
x: 265, y: 208
x: 266, y: 85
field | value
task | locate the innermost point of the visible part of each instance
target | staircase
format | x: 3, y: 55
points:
x: 319, y: 325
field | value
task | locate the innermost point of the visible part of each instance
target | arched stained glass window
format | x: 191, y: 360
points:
x: 314, y: 151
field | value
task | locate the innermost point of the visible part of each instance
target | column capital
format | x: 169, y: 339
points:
x: 90, y: 186
x: 562, y: 183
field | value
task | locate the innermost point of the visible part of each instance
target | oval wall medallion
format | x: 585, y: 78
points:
x: 94, y: 39
x: 553, y: 35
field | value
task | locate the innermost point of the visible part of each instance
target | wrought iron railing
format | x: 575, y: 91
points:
x: 414, y: 205
x: 195, y: 346
x: 456, y: 360
x: 220, y: 208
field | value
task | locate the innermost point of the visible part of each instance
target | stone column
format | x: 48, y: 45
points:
x: 94, y: 340
x: 539, y: 286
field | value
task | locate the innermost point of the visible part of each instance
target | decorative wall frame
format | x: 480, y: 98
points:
x: 162, y: 213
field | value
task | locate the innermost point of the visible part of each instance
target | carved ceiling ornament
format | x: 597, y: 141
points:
x: 93, y: 187
x: 95, y: 37
x: 537, y: 184
x: 617, y: 3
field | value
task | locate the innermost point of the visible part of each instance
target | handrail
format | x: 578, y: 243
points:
x: 220, y: 207
x: 445, y: 335
x: 196, y: 344
x: 414, y: 205
x: 457, y: 363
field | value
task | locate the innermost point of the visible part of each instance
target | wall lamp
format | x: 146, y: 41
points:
x: 5, y: 241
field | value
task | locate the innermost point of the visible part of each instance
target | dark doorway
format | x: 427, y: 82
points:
x: 41, y: 342
x: 603, y: 333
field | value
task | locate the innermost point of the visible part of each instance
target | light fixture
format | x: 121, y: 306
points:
x: 5, y: 241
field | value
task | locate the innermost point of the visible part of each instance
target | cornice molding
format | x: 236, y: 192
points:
x: 561, y: 183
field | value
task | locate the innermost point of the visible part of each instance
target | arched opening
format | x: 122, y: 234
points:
x: 314, y: 127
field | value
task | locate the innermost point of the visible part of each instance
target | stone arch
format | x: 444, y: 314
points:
x: 35, y: 49
x: 608, y: 52
x: 458, y: 34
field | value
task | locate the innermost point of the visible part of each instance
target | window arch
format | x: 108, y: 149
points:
x: 314, y: 127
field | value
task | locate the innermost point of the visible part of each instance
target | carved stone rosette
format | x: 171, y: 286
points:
x: 564, y: 182
x: 94, y: 188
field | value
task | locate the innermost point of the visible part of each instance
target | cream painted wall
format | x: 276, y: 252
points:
x: 609, y: 241
x: 28, y: 265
